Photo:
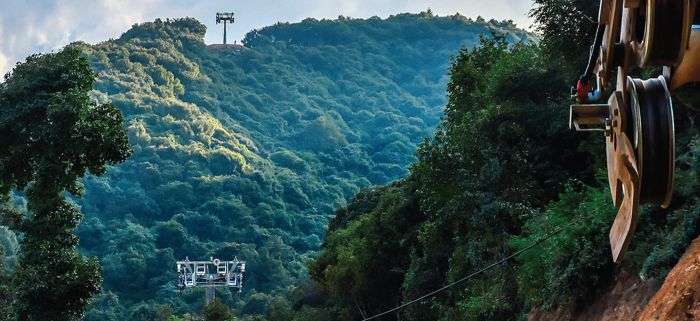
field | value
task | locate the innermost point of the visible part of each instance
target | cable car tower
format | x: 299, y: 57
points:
x: 224, y: 17
x: 210, y: 275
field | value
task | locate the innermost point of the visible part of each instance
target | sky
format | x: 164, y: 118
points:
x: 35, y: 26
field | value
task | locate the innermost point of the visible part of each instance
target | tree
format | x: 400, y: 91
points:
x: 567, y: 28
x: 53, y: 134
x: 217, y: 311
x: 5, y: 291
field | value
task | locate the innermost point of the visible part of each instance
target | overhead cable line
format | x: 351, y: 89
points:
x: 473, y: 274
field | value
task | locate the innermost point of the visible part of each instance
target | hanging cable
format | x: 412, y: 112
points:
x: 473, y: 274
x: 583, y: 86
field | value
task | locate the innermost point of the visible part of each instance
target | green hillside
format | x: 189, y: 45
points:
x: 248, y: 151
x: 501, y: 172
x: 357, y: 165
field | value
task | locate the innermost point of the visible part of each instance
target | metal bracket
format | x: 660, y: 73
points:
x: 589, y: 117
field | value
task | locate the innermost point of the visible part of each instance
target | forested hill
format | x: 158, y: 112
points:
x: 501, y: 173
x: 247, y: 151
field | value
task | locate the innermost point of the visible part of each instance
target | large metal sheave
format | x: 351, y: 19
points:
x: 637, y: 120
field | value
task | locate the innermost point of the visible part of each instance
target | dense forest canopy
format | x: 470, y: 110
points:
x: 254, y: 150
x: 248, y: 151
x: 501, y: 171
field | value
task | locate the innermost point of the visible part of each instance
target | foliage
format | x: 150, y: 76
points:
x: 502, y: 171
x: 53, y: 133
x: 247, y: 151
x: 572, y: 266
x: 498, y: 156
x: 567, y: 28
x: 217, y: 311
x: 6, y: 295
x: 362, y: 266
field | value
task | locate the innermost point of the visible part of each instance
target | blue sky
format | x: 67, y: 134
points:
x: 31, y: 26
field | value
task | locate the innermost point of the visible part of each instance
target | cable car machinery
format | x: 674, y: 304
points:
x: 210, y: 274
x: 637, y: 119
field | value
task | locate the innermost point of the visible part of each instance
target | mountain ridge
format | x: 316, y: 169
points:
x: 249, y: 152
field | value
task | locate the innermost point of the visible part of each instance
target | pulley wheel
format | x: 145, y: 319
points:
x: 613, y: 21
x: 623, y: 174
x: 652, y: 137
x: 662, y: 31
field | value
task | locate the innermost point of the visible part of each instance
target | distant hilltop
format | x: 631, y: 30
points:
x: 343, y: 30
x: 234, y: 46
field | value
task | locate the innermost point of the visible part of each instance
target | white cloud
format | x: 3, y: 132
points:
x: 3, y: 64
x: 28, y: 27
x: 46, y: 25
